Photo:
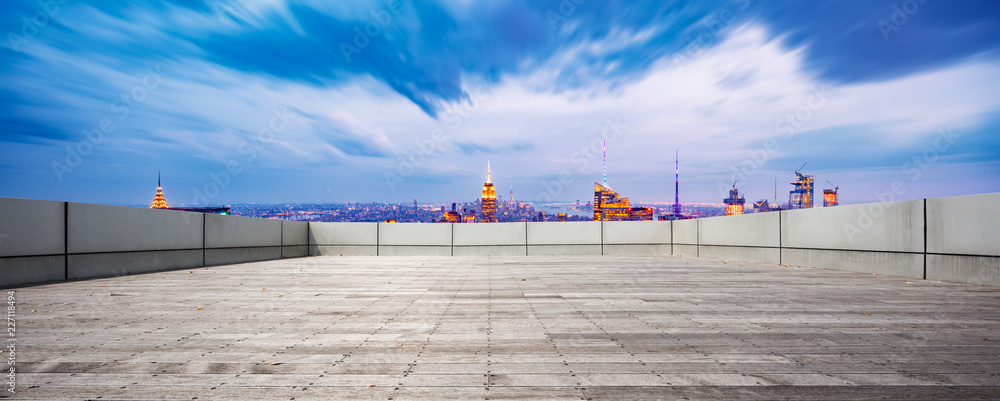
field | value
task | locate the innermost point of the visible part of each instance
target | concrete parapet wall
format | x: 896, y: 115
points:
x: 887, y: 226
x: 103, y: 228
x: 343, y: 239
x: 963, y: 239
x: 414, y: 234
x: 636, y: 238
x: 748, y: 237
x: 294, y: 239
x: 749, y: 230
x: 414, y: 239
x: 953, y: 239
x: 241, y: 232
x: 685, y: 232
x: 43, y: 241
x: 741, y: 253
x: 964, y: 225
x: 564, y: 238
x: 500, y: 239
x: 900, y: 264
x: 564, y: 233
x: 31, y: 227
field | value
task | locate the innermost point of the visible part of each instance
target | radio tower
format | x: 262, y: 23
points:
x: 605, y: 164
x: 677, y: 185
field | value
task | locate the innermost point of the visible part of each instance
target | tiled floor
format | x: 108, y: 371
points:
x: 566, y: 327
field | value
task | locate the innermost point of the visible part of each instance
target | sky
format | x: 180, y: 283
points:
x: 276, y: 101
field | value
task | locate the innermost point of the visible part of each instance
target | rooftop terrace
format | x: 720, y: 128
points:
x: 516, y: 327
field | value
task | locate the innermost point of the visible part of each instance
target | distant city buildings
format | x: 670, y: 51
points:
x: 607, y: 205
x: 452, y: 216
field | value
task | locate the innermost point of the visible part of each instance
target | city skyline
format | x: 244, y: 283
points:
x: 308, y: 102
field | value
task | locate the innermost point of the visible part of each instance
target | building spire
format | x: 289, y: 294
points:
x: 488, y: 171
x: 677, y: 185
x: 605, y: 164
x: 158, y: 201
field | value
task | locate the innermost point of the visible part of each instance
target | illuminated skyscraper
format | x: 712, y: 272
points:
x: 802, y: 196
x: 489, y: 202
x: 610, y: 206
x: 734, y: 203
x: 830, y: 198
x: 158, y: 201
x: 761, y: 206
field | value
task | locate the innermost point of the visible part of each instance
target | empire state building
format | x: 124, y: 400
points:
x: 489, y: 202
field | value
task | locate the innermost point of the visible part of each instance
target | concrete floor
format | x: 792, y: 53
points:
x: 566, y: 327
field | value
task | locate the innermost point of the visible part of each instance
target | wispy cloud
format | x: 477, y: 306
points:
x: 552, y: 91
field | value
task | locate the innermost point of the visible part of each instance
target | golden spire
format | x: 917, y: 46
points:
x: 488, y: 171
x: 158, y: 201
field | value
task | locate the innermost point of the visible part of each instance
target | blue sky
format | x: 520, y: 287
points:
x: 318, y: 101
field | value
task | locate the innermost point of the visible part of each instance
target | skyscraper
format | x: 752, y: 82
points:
x: 610, y: 206
x: 802, y: 196
x: 734, y: 203
x: 158, y: 201
x: 830, y: 198
x: 489, y: 202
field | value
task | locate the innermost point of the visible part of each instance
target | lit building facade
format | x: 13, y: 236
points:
x: 610, y: 206
x: 761, y: 206
x: 158, y: 201
x: 452, y: 216
x: 489, y: 200
x: 830, y: 198
x: 802, y: 196
x: 734, y: 203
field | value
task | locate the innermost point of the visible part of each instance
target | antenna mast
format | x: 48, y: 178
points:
x: 677, y: 174
x: 605, y: 164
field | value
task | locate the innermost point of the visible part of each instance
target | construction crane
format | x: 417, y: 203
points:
x: 800, y: 168
x: 835, y: 187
